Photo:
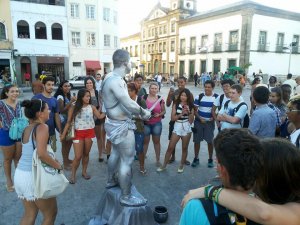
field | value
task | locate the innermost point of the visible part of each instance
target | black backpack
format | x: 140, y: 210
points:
x: 246, y: 118
x: 219, y: 215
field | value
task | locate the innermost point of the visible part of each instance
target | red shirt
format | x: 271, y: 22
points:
x: 27, y: 76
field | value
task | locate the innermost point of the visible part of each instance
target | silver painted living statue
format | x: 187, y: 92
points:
x: 119, y: 128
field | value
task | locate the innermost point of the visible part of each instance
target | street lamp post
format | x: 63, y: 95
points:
x: 290, y: 48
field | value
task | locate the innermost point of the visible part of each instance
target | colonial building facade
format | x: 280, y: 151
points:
x: 160, y: 36
x: 244, y: 34
x: 40, y: 37
x: 6, y: 44
x: 60, y: 38
x: 93, y: 31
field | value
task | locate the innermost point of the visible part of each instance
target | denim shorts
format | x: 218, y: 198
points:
x: 139, y: 142
x: 154, y: 129
x: 5, y: 139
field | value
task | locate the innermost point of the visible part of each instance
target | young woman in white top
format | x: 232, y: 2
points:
x: 183, y: 115
x: 83, y: 115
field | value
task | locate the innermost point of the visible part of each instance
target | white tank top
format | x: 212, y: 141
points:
x: 85, y: 119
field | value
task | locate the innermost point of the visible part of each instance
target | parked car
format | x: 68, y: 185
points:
x: 149, y: 79
x: 77, y: 81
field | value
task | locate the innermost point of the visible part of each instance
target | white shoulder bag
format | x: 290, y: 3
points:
x: 48, y: 182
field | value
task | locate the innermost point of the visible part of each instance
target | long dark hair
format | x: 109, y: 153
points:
x: 92, y: 79
x: 279, y: 180
x: 5, y: 90
x: 189, y: 98
x: 79, y: 102
x: 278, y: 92
x: 60, y: 91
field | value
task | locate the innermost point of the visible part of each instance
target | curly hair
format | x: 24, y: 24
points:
x: 241, y: 154
x: 132, y: 86
x: 60, y: 91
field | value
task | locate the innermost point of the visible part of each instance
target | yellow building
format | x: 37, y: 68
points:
x: 159, y: 37
x: 6, y: 44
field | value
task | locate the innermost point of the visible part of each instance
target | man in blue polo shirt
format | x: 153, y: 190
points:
x: 204, y: 123
x: 52, y: 103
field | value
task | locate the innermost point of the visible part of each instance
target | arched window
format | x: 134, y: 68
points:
x: 2, y: 32
x: 23, y: 29
x: 57, y: 31
x: 40, y: 31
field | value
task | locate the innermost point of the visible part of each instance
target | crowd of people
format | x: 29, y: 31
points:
x: 244, y: 132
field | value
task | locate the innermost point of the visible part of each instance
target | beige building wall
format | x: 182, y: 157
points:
x: 132, y: 45
x: 5, y: 19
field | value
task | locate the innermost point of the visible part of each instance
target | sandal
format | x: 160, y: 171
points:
x: 10, y: 188
x: 86, y: 177
x: 143, y: 172
x: 72, y: 181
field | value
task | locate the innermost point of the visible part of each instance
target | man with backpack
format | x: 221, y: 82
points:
x: 221, y: 99
x: 204, y: 124
x: 233, y: 147
x: 234, y: 112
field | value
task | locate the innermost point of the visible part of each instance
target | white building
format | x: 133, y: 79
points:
x: 240, y: 34
x: 93, y: 32
x: 40, y: 38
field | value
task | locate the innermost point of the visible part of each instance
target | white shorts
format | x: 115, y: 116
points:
x: 24, y: 185
x: 182, y: 128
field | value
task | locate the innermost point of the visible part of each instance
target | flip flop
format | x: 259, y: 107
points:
x: 86, y: 177
x: 143, y: 172
x: 71, y: 181
x: 10, y: 188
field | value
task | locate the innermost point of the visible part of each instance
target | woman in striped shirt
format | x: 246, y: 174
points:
x: 183, y: 115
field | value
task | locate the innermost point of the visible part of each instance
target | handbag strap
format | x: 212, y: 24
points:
x: 33, y: 132
x: 153, y: 106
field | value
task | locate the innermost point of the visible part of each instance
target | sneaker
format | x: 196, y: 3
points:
x: 180, y: 169
x: 210, y: 163
x: 195, y: 162
x: 160, y: 169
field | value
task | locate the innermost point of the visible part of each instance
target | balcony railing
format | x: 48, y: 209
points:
x: 45, y: 2
x: 295, y: 49
x: 192, y: 50
x: 182, y: 51
x: 233, y: 47
x: 262, y: 47
x: 217, y: 48
x: 279, y: 48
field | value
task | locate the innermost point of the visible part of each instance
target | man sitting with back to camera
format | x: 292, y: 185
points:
x: 239, y: 160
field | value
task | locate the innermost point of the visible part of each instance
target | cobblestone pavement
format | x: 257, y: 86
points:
x: 78, y: 203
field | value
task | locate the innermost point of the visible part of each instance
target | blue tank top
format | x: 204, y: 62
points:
x: 25, y: 162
